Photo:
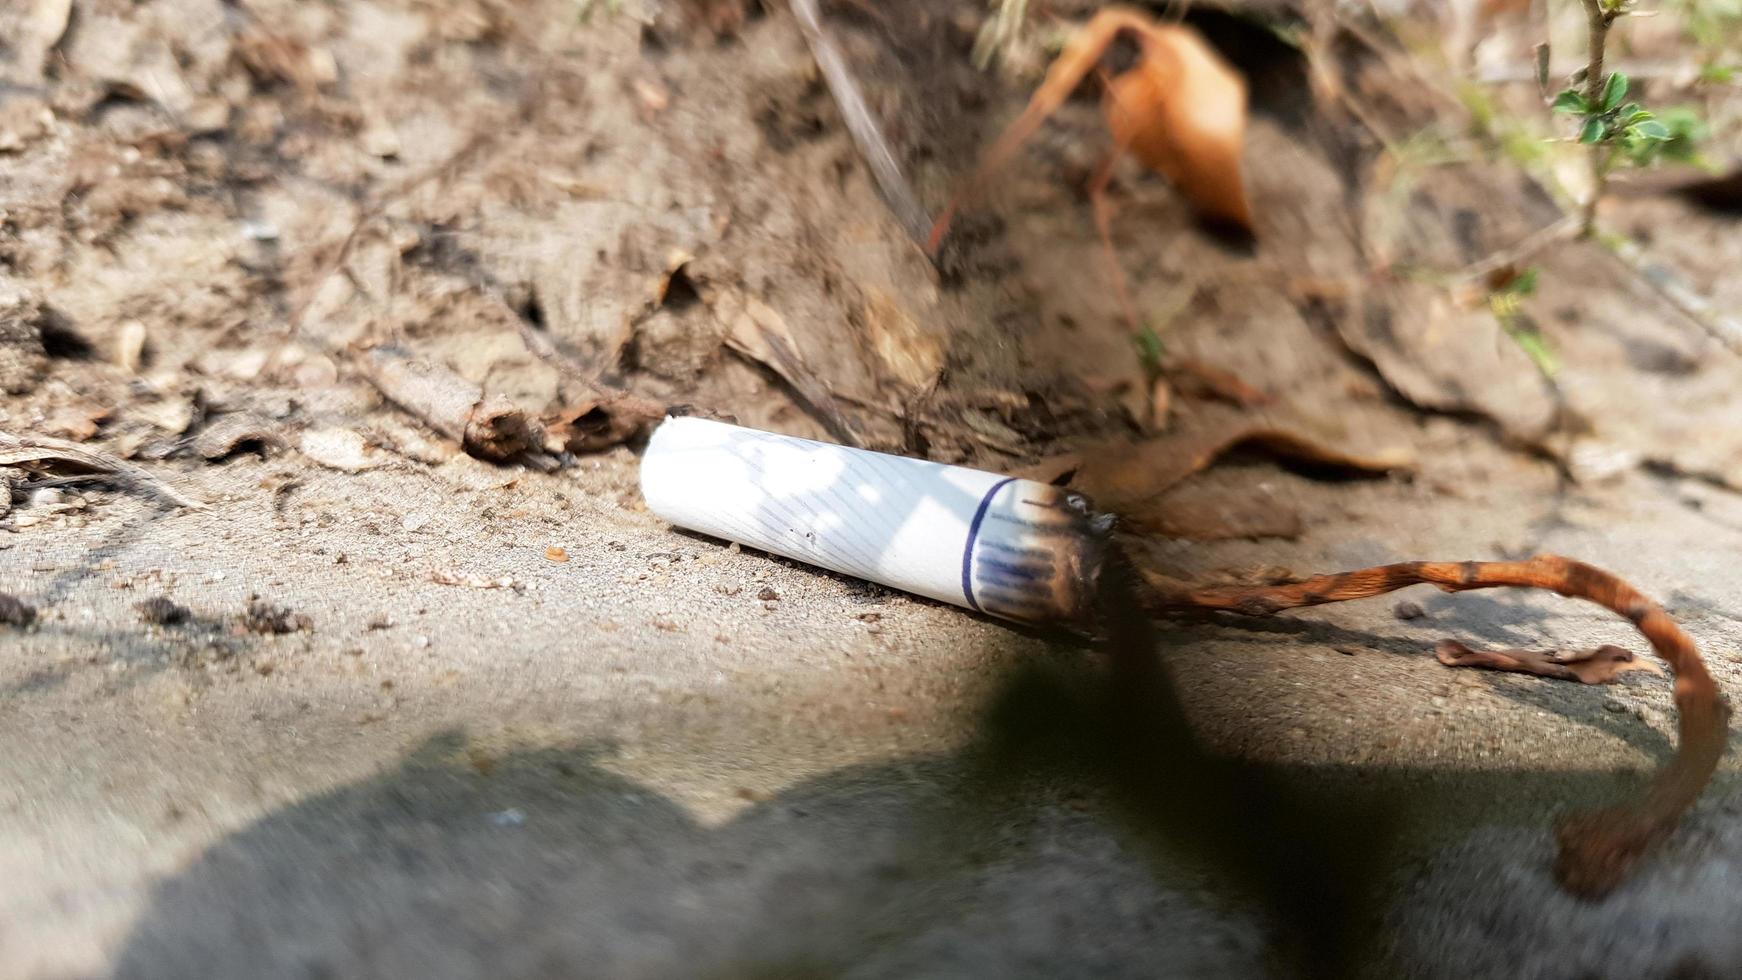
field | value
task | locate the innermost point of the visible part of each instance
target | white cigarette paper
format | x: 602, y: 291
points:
x: 995, y: 544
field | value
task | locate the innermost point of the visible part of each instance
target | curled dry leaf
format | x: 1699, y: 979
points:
x: 1124, y: 478
x: 1602, y: 665
x: 1180, y: 109
x: 590, y: 427
x: 42, y: 453
x: 1447, y: 359
x: 1597, y: 850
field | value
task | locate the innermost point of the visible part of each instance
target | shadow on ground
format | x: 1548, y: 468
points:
x: 1083, y: 834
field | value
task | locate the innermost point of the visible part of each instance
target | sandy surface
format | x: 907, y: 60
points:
x: 631, y: 763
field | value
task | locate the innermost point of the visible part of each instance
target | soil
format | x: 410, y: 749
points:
x: 383, y: 707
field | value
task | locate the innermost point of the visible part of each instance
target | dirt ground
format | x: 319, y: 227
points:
x: 381, y: 707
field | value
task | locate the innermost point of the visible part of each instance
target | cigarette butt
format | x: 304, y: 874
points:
x: 1004, y: 546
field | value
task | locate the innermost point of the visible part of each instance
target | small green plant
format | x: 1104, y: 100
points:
x: 584, y: 9
x: 1506, y: 303
x: 1627, y: 127
x: 1613, y: 128
x: 1149, y: 352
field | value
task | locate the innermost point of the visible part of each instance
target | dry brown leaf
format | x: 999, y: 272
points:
x: 1443, y: 358
x: 1124, y: 478
x: 1180, y: 109
x: 1197, y: 378
x: 1602, y: 665
x: 173, y: 415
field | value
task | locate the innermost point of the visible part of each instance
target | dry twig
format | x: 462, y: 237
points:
x: 861, y: 124
x: 1597, y: 849
x: 488, y: 426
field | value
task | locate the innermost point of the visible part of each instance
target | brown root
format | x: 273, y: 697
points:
x: 1597, y: 850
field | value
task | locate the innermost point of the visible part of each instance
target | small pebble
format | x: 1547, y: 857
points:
x: 379, y: 621
x: 511, y: 817
x: 422, y: 643
x: 768, y: 594
x: 1347, y: 651
x: 1614, y: 706
x: 556, y: 554
x: 1408, y: 610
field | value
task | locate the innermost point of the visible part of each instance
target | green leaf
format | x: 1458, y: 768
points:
x: 1631, y: 113
x: 1650, y: 129
x: 1571, y: 101
x: 1614, y: 90
x: 1149, y: 350
x: 1536, y: 347
x: 1594, y: 130
x: 1717, y: 74
x: 1525, y: 284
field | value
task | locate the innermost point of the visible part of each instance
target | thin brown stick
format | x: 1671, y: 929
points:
x: 861, y: 124
x: 1597, y: 849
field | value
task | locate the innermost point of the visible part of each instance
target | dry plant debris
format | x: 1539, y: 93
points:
x: 270, y: 619
x: 488, y: 426
x: 1181, y: 110
x: 43, y: 454
x: 1602, y: 665
x: 1125, y: 480
x: 1598, y: 849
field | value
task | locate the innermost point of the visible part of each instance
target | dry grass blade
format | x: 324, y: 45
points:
x: 1597, y: 850
x: 35, y: 451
